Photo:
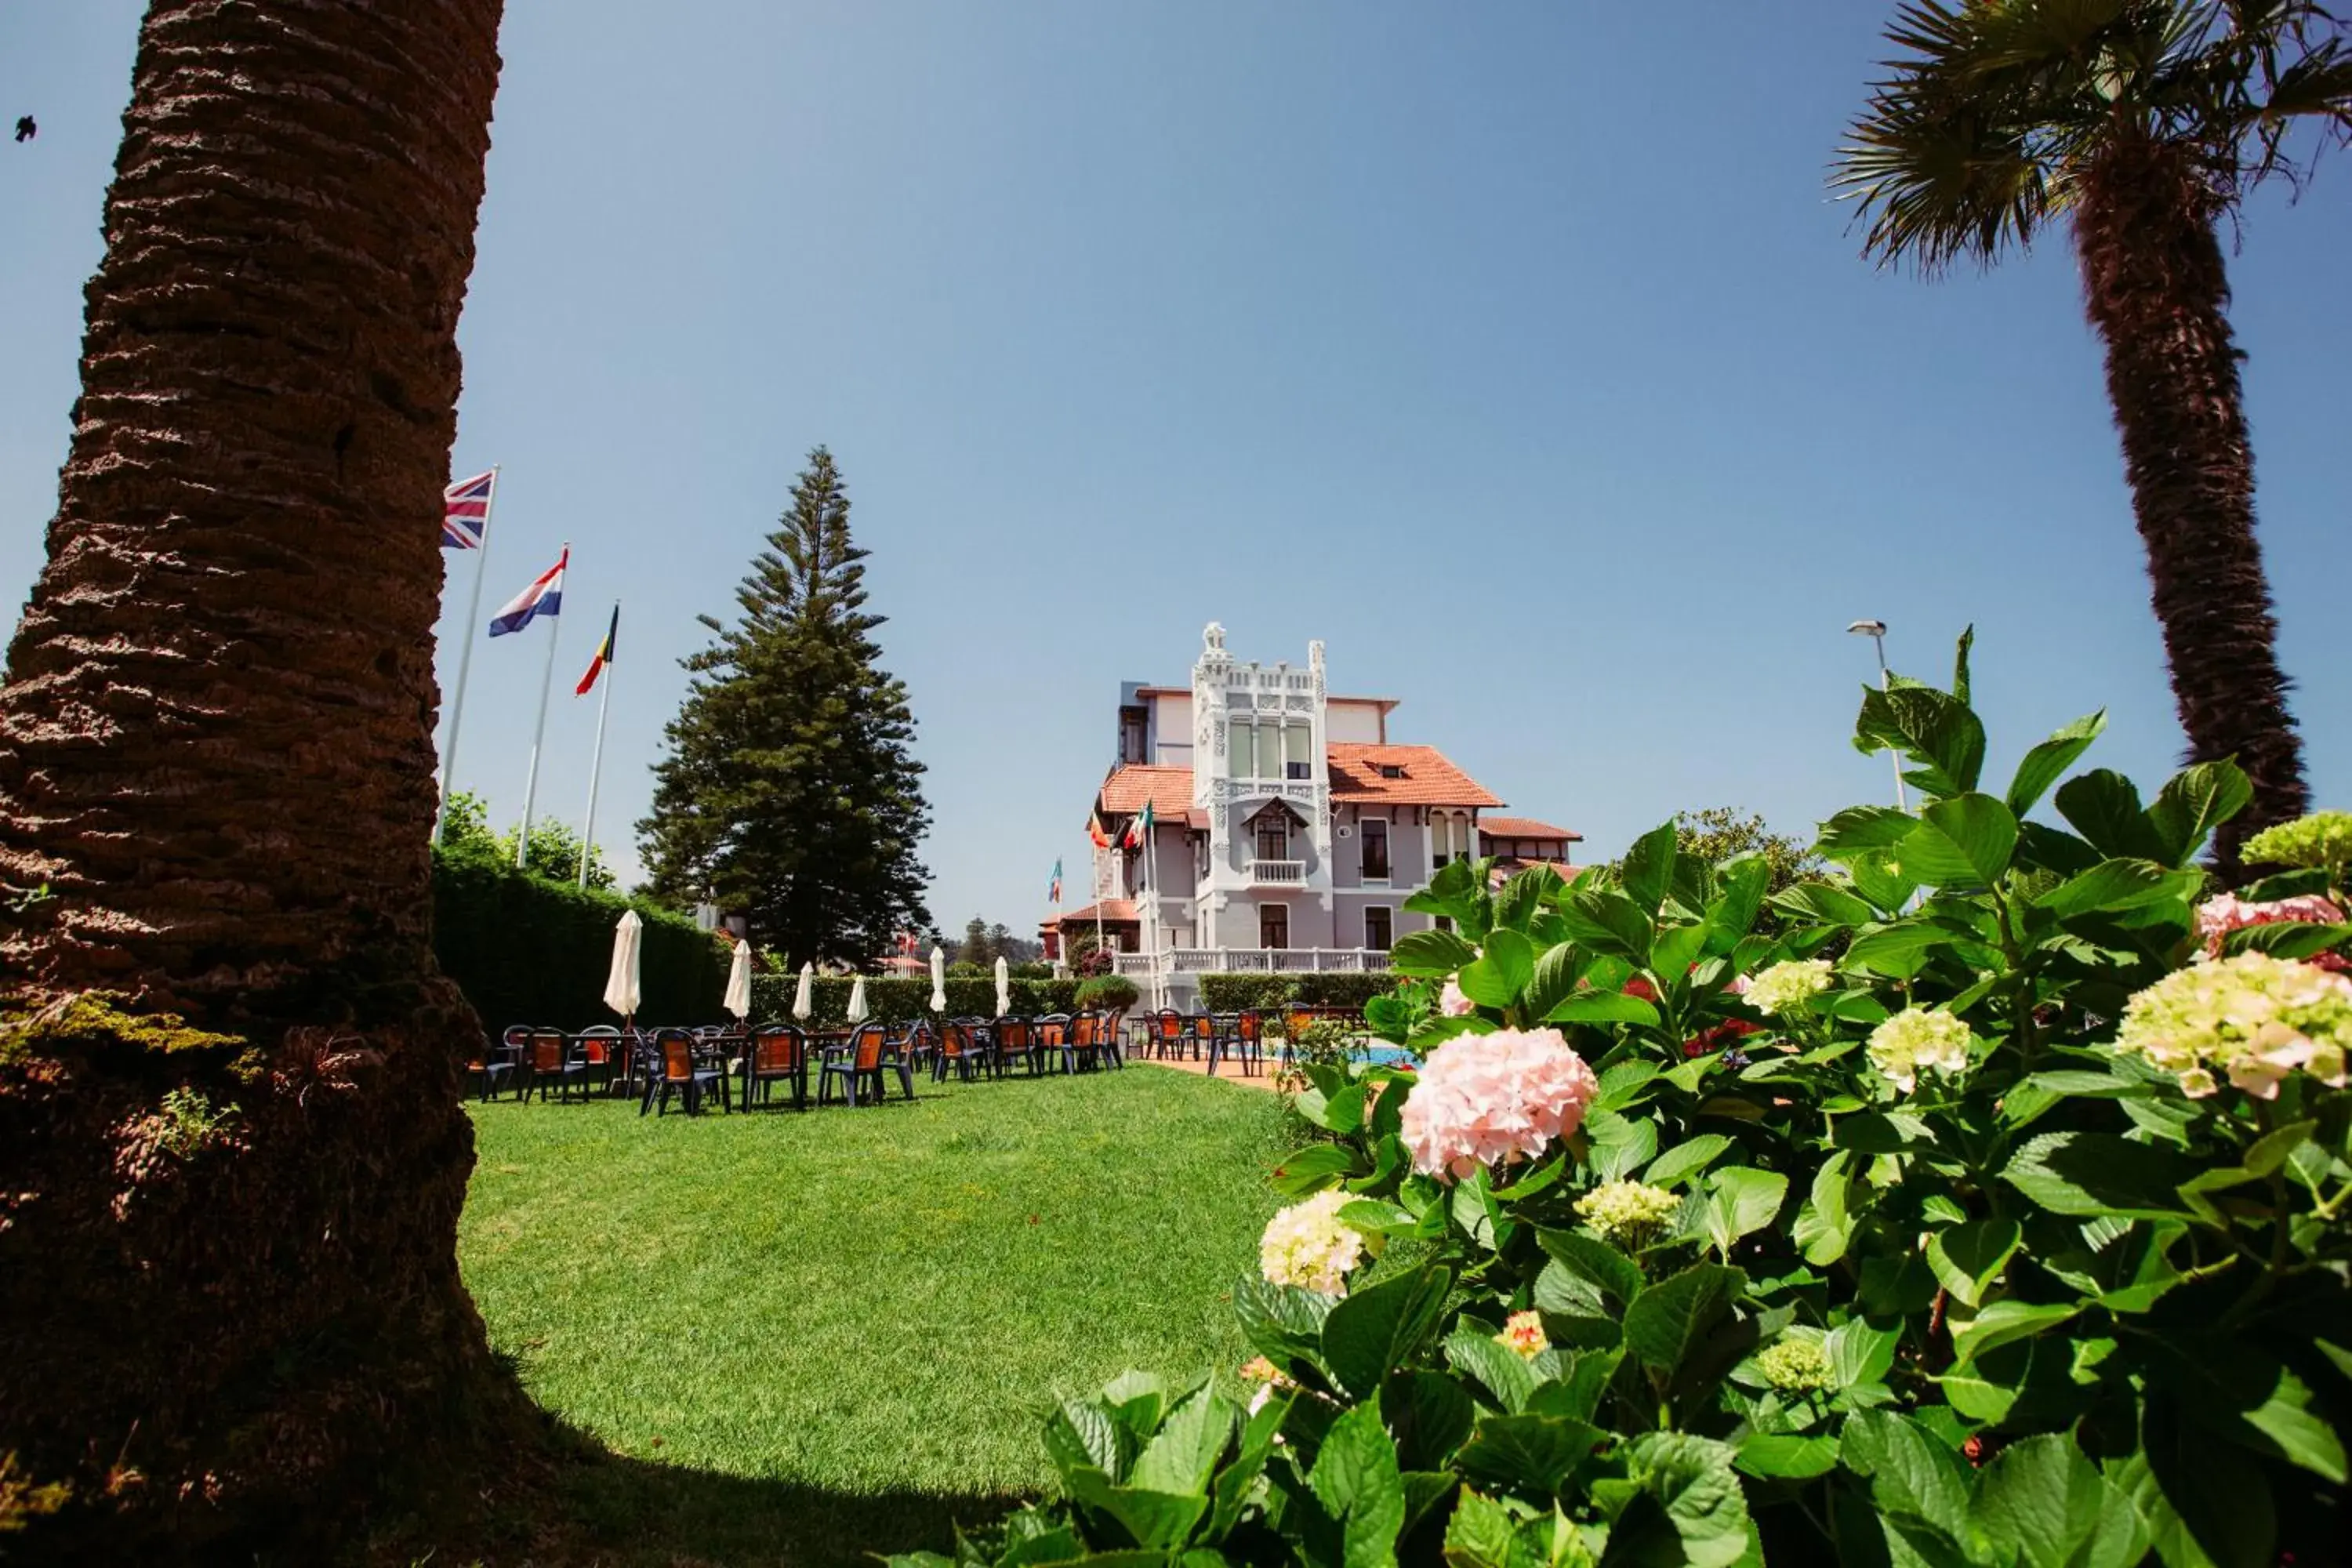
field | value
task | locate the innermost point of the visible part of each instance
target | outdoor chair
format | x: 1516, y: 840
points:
x: 554, y: 1064
x: 1168, y: 1033
x: 1053, y: 1031
x: 918, y: 1046
x: 492, y: 1065
x: 1241, y: 1036
x: 1201, y: 1029
x: 778, y: 1053
x: 599, y: 1052
x: 515, y: 1046
x: 1012, y: 1040
x: 867, y: 1058
x: 1081, y: 1047
x: 681, y: 1069
x: 960, y: 1049
x: 1110, y: 1038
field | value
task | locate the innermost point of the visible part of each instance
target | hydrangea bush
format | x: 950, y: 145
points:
x: 1987, y: 1207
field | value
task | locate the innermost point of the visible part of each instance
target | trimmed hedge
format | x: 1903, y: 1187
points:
x: 526, y: 950
x: 900, y: 1001
x: 1335, y: 988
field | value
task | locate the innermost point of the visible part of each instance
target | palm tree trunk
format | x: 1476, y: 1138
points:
x: 215, y: 751
x: 2158, y: 289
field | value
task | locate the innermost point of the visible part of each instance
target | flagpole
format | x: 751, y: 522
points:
x: 465, y: 657
x: 596, y: 763
x: 538, y: 733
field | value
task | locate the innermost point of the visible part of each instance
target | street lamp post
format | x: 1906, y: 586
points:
x: 1876, y: 632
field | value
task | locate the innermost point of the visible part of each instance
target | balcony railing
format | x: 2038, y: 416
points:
x: 1278, y: 873
x: 1255, y: 961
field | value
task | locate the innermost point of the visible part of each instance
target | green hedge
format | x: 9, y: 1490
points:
x: 1336, y: 988
x: 897, y: 1001
x: 526, y: 950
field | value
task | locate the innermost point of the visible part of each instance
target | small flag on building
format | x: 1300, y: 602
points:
x: 1053, y: 894
x: 466, y: 511
x: 544, y: 597
x: 1138, y: 832
x: 1095, y: 834
x: 604, y: 659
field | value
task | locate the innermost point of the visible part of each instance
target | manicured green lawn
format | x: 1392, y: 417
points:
x: 830, y: 1332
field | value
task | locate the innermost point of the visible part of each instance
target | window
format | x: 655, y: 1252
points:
x: 1441, y: 837
x: 1274, y: 836
x: 1376, y: 927
x: 1274, y: 925
x: 1294, y: 740
x: 1240, y: 752
x: 1373, y: 833
x: 1392, y: 770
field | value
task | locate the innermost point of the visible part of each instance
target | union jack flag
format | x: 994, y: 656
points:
x: 466, y: 511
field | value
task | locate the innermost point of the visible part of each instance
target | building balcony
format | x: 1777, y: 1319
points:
x: 1253, y: 961
x: 1278, y: 873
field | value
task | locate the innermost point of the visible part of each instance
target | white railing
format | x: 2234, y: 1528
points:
x: 1287, y: 873
x: 1255, y: 961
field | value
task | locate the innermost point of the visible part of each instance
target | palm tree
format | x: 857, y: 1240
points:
x: 230, y: 1135
x: 2142, y: 123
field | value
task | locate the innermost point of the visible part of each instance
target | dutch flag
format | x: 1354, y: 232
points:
x: 544, y: 597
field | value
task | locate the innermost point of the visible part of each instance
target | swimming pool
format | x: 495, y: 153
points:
x: 1387, y: 1055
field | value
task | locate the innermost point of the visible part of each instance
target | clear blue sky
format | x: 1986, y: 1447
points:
x: 1513, y: 349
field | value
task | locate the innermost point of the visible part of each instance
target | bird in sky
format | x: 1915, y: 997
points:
x: 25, y: 128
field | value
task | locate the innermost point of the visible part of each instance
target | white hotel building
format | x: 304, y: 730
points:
x: 1288, y: 828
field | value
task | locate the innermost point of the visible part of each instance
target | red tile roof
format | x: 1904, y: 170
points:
x: 1170, y: 791
x: 1429, y: 779
x: 1115, y: 911
x: 1506, y: 869
x: 1523, y: 827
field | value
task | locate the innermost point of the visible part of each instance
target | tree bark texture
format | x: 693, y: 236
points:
x: 2157, y: 287
x: 215, y: 751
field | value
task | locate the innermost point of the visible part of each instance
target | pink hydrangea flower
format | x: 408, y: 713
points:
x: 1487, y: 1099
x: 2216, y: 917
x: 1452, y: 1003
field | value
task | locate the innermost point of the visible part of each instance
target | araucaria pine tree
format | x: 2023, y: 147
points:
x: 789, y: 791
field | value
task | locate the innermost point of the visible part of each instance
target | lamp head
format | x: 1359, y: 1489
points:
x: 1868, y: 628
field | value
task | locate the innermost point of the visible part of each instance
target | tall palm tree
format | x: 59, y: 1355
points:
x: 228, y: 1249
x: 2142, y: 123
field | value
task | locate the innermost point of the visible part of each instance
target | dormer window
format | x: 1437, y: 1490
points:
x: 1392, y: 771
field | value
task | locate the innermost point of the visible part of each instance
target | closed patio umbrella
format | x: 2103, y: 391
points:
x: 621, y: 992
x: 739, y: 981
x: 857, y: 1001
x: 802, y: 1004
x: 938, y: 978
x: 1004, y: 989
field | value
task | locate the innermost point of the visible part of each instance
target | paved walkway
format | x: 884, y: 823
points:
x: 1232, y: 1074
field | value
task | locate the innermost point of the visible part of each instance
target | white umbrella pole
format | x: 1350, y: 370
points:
x: 539, y: 732
x: 465, y: 660
x: 595, y: 769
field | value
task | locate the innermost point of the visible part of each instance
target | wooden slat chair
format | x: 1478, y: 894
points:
x: 868, y: 1058
x: 778, y: 1054
x: 1014, y: 1040
x: 680, y: 1068
x: 554, y: 1064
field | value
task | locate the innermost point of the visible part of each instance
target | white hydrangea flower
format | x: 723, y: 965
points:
x: 1306, y: 1246
x: 1788, y: 987
x: 2252, y: 1019
x: 1917, y: 1038
x: 1626, y: 1213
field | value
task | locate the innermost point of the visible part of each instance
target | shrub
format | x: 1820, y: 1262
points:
x: 1114, y: 993
x: 526, y: 950
x: 2024, y: 1238
x: 1336, y: 988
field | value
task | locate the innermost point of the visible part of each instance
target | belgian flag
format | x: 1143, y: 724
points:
x: 597, y: 666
